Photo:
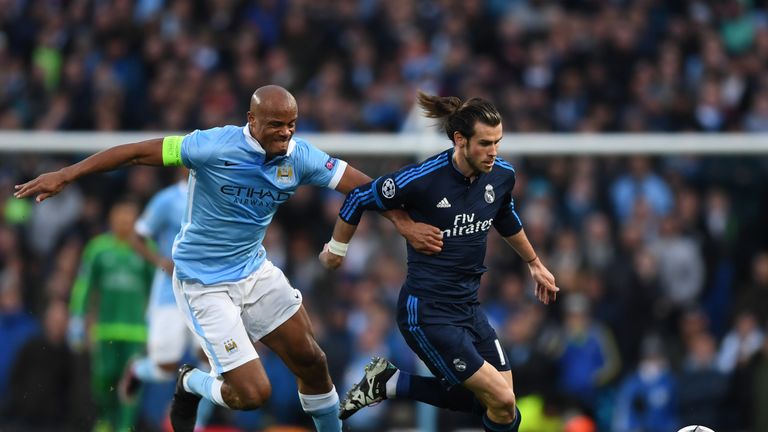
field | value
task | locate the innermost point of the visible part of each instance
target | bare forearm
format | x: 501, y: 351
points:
x: 343, y: 232
x: 351, y: 179
x: 398, y: 218
x: 522, y: 246
x: 46, y: 185
x: 142, y: 153
x: 546, y: 290
x: 139, y: 244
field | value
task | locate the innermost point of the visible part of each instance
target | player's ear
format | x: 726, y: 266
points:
x: 459, y: 139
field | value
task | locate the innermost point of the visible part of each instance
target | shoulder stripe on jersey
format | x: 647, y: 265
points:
x: 504, y: 164
x: 421, y: 167
x: 423, y: 173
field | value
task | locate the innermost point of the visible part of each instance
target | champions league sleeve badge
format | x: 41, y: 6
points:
x: 489, y: 195
x: 388, y: 188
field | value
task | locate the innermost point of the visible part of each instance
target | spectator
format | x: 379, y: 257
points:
x: 642, y: 184
x: 42, y: 379
x: 16, y: 328
x: 702, y: 386
x: 741, y: 343
x: 587, y: 359
x: 647, y: 398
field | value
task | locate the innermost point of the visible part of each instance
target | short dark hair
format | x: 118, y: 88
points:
x: 455, y: 115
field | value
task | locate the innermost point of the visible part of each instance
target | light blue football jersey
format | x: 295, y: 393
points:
x: 233, y: 195
x: 161, y: 221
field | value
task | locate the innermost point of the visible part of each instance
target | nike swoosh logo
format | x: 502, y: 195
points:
x: 228, y: 163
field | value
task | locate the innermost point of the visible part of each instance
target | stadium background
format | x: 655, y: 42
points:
x: 657, y: 255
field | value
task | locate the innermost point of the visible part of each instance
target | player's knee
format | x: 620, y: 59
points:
x: 254, y: 396
x: 311, y: 357
x: 502, y: 404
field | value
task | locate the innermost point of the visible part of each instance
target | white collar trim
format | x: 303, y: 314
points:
x: 256, y: 146
x: 252, y: 141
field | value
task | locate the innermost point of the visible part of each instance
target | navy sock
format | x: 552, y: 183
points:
x: 431, y: 391
x: 491, y: 426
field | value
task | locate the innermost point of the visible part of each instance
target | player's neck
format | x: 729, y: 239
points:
x: 463, y: 166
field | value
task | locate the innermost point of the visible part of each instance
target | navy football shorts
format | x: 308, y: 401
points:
x: 452, y: 339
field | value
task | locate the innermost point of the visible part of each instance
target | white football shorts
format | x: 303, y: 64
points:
x: 228, y: 317
x: 169, y: 337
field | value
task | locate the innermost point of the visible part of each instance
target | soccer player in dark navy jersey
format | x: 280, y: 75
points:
x: 464, y: 191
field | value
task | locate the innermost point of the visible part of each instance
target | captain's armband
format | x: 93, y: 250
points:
x: 172, y: 151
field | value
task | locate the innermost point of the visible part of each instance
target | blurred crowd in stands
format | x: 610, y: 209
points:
x: 662, y: 319
x: 663, y: 262
x: 588, y: 65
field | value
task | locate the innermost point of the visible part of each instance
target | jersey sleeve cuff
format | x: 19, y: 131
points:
x: 340, y: 168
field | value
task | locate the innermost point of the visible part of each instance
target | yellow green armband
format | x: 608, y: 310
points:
x: 172, y: 150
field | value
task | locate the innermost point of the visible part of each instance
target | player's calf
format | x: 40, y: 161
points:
x: 310, y: 366
x: 246, y: 396
x: 246, y: 387
x: 502, y: 414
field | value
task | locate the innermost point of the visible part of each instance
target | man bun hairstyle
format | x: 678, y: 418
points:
x: 455, y: 115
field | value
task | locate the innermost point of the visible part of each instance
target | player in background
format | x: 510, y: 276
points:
x: 114, y: 277
x: 169, y: 339
x: 464, y: 191
x: 231, y: 294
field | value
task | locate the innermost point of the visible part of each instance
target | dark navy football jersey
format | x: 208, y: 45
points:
x: 436, y: 193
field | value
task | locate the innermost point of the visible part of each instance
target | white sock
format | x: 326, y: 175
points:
x: 218, y: 399
x: 392, y: 385
x: 185, y: 382
x: 324, y: 409
x: 318, y: 402
x: 205, y: 385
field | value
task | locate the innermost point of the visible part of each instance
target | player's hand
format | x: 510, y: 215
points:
x: 546, y: 290
x: 426, y: 239
x: 330, y: 260
x: 44, y: 186
x: 166, y: 265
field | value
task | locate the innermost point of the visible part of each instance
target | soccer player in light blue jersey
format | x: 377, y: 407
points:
x: 169, y: 338
x: 230, y: 294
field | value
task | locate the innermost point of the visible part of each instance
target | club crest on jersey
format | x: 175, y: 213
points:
x: 230, y: 345
x: 459, y: 364
x: 388, y: 188
x: 285, y: 173
x: 489, y: 195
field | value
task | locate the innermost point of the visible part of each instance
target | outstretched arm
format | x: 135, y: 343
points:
x: 424, y: 238
x: 139, y: 244
x: 148, y: 152
x: 546, y: 289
